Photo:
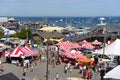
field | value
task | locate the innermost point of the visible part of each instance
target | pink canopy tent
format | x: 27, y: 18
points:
x: 75, y: 45
x: 96, y: 42
x: 87, y: 45
x: 71, y: 55
x: 29, y: 51
x: 68, y: 45
x: 84, y: 41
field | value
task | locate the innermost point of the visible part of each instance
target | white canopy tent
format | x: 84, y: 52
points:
x: 114, y: 73
x: 112, y: 49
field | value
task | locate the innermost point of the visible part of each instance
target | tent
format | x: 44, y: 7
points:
x: 96, y: 42
x: 18, y: 52
x: 73, y: 54
x: 22, y: 52
x: 68, y: 45
x: 114, y: 73
x: 87, y: 45
x: 83, y: 59
x: 112, y: 49
x: 29, y: 51
x: 9, y: 76
x: 50, y: 28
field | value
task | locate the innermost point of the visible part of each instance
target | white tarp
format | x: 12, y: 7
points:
x: 7, y: 31
x: 112, y: 49
x: 114, y: 73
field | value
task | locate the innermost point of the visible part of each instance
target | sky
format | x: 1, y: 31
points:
x: 59, y: 7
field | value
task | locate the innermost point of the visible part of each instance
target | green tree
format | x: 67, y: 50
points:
x: 23, y: 34
x: 29, y: 33
x: 1, y: 33
x: 37, y: 42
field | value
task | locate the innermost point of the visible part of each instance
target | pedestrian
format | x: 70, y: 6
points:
x: 17, y: 63
x: 27, y: 65
x: 56, y: 76
x: 35, y: 61
x: 84, y: 74
x: 102, y: 73
x: 65, y: 69
x: 80, y: 65
x: 0, y: 62
x: 31, y: 68
x: 88, y: 75
x: 70, y: 68
x: 40, y: 57
x: 24, y: 71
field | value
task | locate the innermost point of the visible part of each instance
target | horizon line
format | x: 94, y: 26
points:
x: 60, y: 16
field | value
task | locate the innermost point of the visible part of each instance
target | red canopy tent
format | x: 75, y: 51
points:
x: 22, y: 52
x: 18, y: 52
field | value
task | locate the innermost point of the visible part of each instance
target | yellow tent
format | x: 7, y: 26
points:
x: 49, y: 28
x: 51, y: 39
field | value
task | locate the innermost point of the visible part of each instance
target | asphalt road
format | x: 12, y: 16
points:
x: 39, y: 72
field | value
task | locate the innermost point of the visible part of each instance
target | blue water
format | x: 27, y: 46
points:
x: 73, y: 21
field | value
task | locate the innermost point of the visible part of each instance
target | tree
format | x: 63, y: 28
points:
x: 29, y: 33
x: 23, y: 34
x: 37, y: 42
x: 1, y: 33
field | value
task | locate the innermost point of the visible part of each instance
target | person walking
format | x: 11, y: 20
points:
x: 31, y: 68
x: 102, y: 73
x: 65, y: 69
x: 56, y: 76
x: 88, y: 75
x: 24, y: 71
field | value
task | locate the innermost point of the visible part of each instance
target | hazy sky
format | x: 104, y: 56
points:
x: 59, y: 7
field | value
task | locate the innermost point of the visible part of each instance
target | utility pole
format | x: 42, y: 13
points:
x: 104, y: 32
x: 47, y: 63
x: 26, y: 34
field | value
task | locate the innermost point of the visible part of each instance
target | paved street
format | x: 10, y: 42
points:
x: 40, y: 70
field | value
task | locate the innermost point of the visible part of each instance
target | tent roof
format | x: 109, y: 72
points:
x: 112, y: 49
x: 51, y: 28
x: 114, y: 73
x: 29, y: 51
x: 9, y: 76
x: 18, y: 52
x: 54, y: 34
x: 96, y: 42
x: 22, y: 53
